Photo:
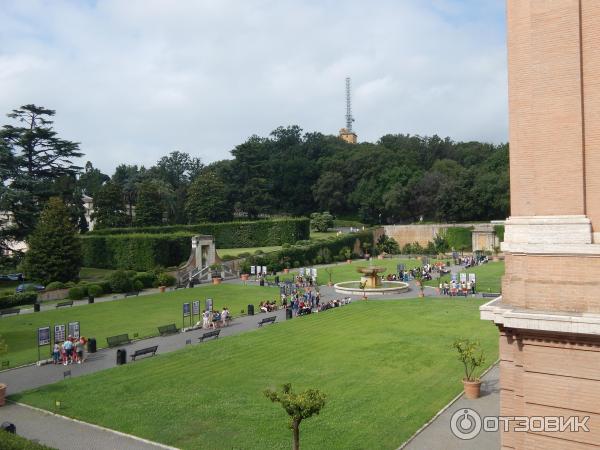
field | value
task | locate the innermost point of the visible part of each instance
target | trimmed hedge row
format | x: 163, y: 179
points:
x: 459, y: 238
x: 9, y: 441
x: 18, y: 299
x: 317, y: 252
x: 259, y: 233
x: 139, y: 252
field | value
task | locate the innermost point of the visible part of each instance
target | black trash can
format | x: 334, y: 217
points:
x: 90, y: 299
x: 8, y: 427
x: 262, y: 282
x: 288, y: 313
x: 36, y: 307
x: 121, y: 356
x: 250, y: 310
x: 91, y: 345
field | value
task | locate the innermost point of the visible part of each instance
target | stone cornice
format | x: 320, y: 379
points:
x: 560, y: 322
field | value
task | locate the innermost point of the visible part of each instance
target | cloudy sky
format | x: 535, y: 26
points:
x: 135, y: 79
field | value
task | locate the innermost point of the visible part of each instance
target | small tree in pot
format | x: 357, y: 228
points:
x: 216, y: 273
x: 472, y: 357
x: 329, y: 271
x: 300, y: 406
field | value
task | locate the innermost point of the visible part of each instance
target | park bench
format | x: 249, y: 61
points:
x: 114, y: 341
x: 209, y: 335
x: 6, y: 312
x: 144, y: 351
x: 168, y: 329
x: 267, y: 320
x: 490, y: 295
x: 66, y: 303
x: 132, y: 294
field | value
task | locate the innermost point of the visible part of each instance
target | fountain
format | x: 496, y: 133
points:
x: 371, y: 284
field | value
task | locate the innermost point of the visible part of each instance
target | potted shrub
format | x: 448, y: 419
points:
x: 366, y: 247
x: 472, y: 357
x: 3, y: 350
x: 347, y: 254
x: 245, y: 271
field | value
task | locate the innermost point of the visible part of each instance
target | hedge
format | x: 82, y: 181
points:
x: 499, y: 230
x: 9, y: 441
x: 318, y: 252
x: 18, y: 299
x: 459, y: 238
x: 261, y: 233
x: 139, y: 252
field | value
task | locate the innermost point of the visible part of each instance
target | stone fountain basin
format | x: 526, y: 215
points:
x: 387, y: 287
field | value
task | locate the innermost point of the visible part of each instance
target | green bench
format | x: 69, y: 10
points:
x: 168, y: 329
x: 121, y: 339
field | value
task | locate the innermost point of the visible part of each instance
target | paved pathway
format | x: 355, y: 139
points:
x: 438, y: 435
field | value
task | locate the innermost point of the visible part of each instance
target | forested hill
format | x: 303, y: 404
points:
x: 401, y: 177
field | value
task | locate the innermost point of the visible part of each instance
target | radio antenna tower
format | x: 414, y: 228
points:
x: 349, y: 118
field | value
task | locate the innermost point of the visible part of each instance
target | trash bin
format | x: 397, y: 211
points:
x: 288, y: 313
x: 262, y: 282
x: 121, y: 356
x: 250, y: 310
x: 8, y: 427
x: 91, y: 345
x: 36, y: 307
x: 90, y: 299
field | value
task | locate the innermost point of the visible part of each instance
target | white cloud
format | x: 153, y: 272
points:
x: 133, y: 80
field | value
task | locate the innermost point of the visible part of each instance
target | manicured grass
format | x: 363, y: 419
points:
x: 386, y: 366
x: 94, y: 274
x: 140, y: 315
x: 488, y: 276
x: 236, y: 251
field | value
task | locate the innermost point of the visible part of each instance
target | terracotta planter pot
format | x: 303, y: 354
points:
x: 2, y: 394
x: 286, y: 270
x: 245, y: 277
x: 349, y: 261
x: 330, y: 284
x: 216, y: 280
x: 472, y: 388
x: 380, y: 257
x: 162, y: 288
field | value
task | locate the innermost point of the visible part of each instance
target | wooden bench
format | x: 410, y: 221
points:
x: 114, y: 341
x: 144, y: 351
x: 67, y: 303
x: 132, y: 294
x: 267, y: 320
x: 168, y: 329
x: 210, y: 334
x: 490, y: 295
x: 6, y: 312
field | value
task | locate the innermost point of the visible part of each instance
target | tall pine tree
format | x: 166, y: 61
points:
x: 149, y: 209
x: 54, y: 247
x: 109, y: 207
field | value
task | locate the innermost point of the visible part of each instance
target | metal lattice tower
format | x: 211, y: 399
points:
x: 349, y: 118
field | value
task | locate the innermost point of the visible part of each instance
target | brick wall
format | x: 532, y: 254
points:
x: 550, y: 375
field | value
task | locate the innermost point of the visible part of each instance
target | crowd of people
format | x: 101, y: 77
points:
x: 455, y: 288
x: 214, y: 319
x: 70, y: 351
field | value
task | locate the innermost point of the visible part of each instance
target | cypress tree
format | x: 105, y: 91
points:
x: 54, y: 247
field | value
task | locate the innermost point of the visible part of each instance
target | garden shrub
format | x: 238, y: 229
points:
x: 145, y: 278
x: 138, y: 285
x: 120, y: 281
x: 164, y: 279
x: 54, y: 286
x: 77, y: 293
x: 9, y: 441
x: 499, y: 230
x: 95, y: 290
x: 17, y: 299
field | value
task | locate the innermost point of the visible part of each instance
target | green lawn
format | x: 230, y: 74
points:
x: 236, y: 251
x: 488, y: 276
x: 386, y: 367
x: 140, y: 315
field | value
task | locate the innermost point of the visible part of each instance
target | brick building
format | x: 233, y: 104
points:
x: 549, y: 313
